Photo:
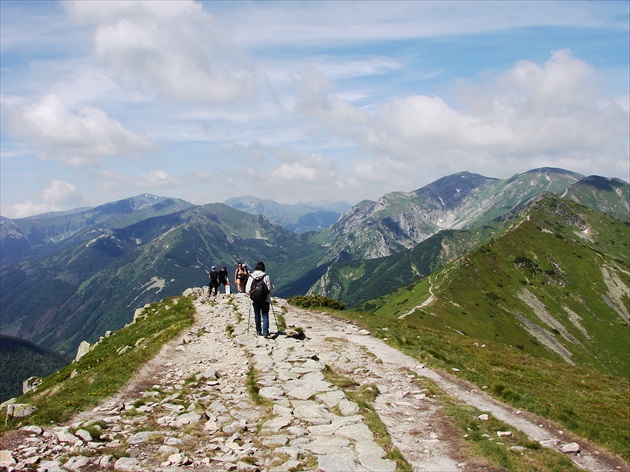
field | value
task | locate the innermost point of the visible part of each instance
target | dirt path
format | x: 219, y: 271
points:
x: 417, y: 427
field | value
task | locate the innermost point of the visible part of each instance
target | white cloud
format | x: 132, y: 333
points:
x: 295, y: 100
x: 551, y: 112
x: 72, y: 137
x: 56, y: 196
x: 174, y: 49
x: 315, y: 99
x: 325, y: 23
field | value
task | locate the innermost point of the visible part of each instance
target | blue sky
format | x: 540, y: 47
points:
x: 302, y: 101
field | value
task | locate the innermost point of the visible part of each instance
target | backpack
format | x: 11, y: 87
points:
x: 259, y: 291
x: 214, y: 277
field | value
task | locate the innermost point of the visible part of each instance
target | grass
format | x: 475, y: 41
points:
x: 252, y: 385
x: 278, y: 315
x: 515, y: 453
x: 101, y: 372
x: 584, y: 401
x: 229, y: 329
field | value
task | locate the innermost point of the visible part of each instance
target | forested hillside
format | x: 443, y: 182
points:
x: 20, y: 360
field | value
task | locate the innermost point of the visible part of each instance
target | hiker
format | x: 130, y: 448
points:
x: 261, y: 297
x: 214, y: 282
x: 223, y: 279
x: 240, y: 276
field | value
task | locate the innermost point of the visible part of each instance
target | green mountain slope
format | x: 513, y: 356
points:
x: 399, y: 221
x: 24, y: 237
x: 555, y: 284
x: 358, y: 281
x: 71, y: 276
x: 19, y: 360
x: 500, y: 196
x: 612, y: 196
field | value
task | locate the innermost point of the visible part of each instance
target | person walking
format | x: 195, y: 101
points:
x: 240, y: 276
x: 214, y: 282
x: 260, y: 288
x: 223, y: 279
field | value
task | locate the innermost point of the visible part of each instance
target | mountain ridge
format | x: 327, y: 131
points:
x: 160, y: 246
x: 548, y: 283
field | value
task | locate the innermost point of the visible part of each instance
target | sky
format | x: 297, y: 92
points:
x: 299, y: 101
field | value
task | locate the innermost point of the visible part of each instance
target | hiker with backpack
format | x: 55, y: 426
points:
x: 240, y: 276
x: 260, y: 288
x: 214, y: 282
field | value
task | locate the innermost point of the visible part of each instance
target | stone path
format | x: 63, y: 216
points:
x: 191, y: 406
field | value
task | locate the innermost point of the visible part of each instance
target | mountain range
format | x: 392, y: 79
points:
x: 71, y: 276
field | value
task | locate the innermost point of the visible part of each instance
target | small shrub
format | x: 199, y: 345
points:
x: 316, y: 301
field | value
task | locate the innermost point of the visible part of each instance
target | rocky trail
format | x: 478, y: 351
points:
x: 191, y: 407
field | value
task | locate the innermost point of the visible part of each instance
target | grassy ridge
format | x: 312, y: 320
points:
x: 102, y: 372
x: 571, y: 285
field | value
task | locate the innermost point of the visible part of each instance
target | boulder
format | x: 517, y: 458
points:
x: 83, y: 349
x: 31, y: 384
x: 138, y: 314
x: 144, y: 436
x: 6, y: 459
x: 571, y: 448
x: 20, y: 410
x: 76, y: 463
x: 127, y: 464
x: 8, y: 402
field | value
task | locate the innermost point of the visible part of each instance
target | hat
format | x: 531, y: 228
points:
x: 214, y: 267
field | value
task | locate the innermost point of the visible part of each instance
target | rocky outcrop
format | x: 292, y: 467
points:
x: 20, y: 410
x: 83, y: 349
x: 31, y: 384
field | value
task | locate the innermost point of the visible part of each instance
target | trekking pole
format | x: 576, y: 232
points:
x: 248, y: 315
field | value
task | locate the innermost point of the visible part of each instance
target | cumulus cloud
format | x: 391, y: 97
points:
x: 316, y: 100
x: 550, y: 113
x: 286, y: 174
x: 174, y: 49
x: 74, y: 137
x: 56, y: 196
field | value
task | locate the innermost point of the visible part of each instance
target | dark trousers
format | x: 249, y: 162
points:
x: 261, y: 317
